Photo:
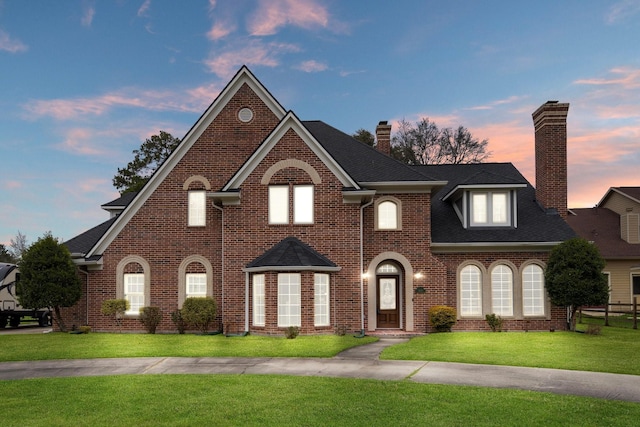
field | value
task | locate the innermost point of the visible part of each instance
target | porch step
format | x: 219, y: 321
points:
x: 394, y: 334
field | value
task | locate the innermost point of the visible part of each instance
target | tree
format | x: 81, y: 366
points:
x: 365, y: 136
x: 574, y: 277
x: 5, y: 255
x: 48, y: 278
x: 18, y: 246
x: 425, y: 144
x: 147, y: 159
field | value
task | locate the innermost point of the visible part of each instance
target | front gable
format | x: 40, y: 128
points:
x: 221, y: 126
x: 231, y: 194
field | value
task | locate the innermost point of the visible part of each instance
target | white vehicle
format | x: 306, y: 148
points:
x: 11, y: 312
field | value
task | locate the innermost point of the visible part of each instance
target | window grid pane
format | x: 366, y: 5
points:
x: 387, y: 216
x: 499, y: 208
x: 532, y: 291
x: 134, y: 292
x: 278, y: 204
x: 479, y: 208
x: 289, y: 299
x: 502, y: 290
x: 197, y: 208
x: 321, y: 299
x: 303, y: 204
x: 196, y: 285
x: 470, y: 291
x: 258, y: 300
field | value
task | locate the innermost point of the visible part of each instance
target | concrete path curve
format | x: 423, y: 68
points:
x: 358, y: 362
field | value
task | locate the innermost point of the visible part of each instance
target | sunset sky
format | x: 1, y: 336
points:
x: 83, y: 83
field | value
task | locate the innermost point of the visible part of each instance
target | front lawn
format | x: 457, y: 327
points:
x: 615, y: 350
x: 101, y: 345
x: 253, y: 400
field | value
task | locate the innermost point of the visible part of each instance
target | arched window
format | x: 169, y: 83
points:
x: 133, y: 279
x: 533, y: 300
x: 387, y: 269
x: 387, y: 215
x: 502, y: 290
x: 470, y: 291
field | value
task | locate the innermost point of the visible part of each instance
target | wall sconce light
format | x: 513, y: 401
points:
x: 418, y: 275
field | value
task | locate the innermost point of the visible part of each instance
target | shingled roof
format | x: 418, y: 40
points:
x: 535, y: 225
x: 290, y: 253
x: 602, y: 226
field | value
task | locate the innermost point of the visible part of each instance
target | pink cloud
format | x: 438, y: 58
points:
x: 88, y: 13
x: 254, y: 53
x: 68, y: 109
x: 144, y: 8
x: 220, y: 30
x: 13, y: 185
x: 273, y: 14
x: 628, y: 78
x: 312, y: 66
x: 11, y: 45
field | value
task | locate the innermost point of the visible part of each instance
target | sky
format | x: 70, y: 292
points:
x: 84, y: 82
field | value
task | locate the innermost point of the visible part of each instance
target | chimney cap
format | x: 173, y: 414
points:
x: 552, y: 102
x: 382, y: 122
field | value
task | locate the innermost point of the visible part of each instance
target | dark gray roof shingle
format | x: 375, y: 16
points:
x: 291, y: 252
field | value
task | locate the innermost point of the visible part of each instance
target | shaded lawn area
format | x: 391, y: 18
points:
x: 102, y: 345
x: 240, y: 400
x: 615, y: 350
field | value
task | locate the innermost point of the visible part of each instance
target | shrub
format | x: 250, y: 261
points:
x: 199, y: 312
x: 176, y: 318
x: 116, y: 308
x: 84, y: 329
x: 291, y: 332
x: 341, y: 330
x: 150, y: 317
x: 442, y: 318
x: 495, y: 322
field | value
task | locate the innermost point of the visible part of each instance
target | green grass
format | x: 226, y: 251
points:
x: 615, y: 350
x: 102, y: 345
x: 234, y: 400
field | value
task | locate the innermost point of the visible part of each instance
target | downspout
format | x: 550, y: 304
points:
x: 222, y: 263
x: 362, y: 264
x: 246, y: 301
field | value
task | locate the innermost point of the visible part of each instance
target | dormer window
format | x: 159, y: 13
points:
x: 479, y: 206
x: 490, y: 208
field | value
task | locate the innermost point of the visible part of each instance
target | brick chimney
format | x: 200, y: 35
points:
x: 550, y: 123
x: 383, y: 138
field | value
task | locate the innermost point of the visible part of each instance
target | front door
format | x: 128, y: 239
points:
x: 388, y: 302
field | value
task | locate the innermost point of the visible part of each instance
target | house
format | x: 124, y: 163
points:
x: 613, y: 225
x: 294, y: 223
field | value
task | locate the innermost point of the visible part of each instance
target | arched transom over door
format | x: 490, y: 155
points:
x: 389, y: 303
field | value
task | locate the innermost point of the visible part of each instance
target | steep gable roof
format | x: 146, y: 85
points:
x: 293, y: 255
x: 242, y: 77
x: 632, y: 193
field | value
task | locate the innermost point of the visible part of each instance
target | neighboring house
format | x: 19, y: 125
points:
x: 295, y: 223
x: 614, y: 227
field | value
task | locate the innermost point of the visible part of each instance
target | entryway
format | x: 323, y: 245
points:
x: 388, y: 296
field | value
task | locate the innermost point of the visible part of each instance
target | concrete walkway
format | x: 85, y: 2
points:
x: 358, y: 362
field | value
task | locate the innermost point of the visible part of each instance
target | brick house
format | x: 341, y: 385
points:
x: 289, y: 222
x: 613, y: 225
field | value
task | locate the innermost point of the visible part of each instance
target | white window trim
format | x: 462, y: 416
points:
x: 120, y: 281
x: 377, y: 219
x: 322, y: 312
x: 134, y: 311
x: 282, y: 197
x: 292, y: 302
x: 259, y: 292
x: 542, y: 290
x: 199, y: 277
x: 478, y: 307
x: 489, y: 215
x: 197, y: 216
x: 497, y: 291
